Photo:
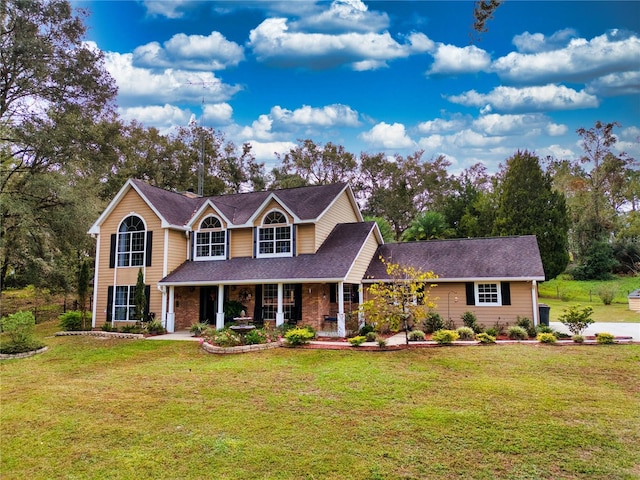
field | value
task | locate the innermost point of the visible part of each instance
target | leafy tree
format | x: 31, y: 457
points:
x: 529, y: 206
x: 401, y: 300
x: 83, y: 290
x: 383, y: 225
x: 577, y: 318
x: 597, y: 263
x: 428, y: 226
x: 53, y: 90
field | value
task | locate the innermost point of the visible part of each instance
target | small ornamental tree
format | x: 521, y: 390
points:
x: 83, y: 291
x: 403, y: 298
x: 577, y: 318
x: 140, y: 298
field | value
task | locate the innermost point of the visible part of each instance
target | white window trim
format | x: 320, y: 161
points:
x: 476, y: 289
x: 130, y: 251
x: 197, y: 257
x: 274, y: 226
x: 128, y: 307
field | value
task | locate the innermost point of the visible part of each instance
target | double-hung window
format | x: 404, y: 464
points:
x: 275, y: 237
x: 131, y: 242
x: 488, y: 294
x: 124, y: 303
x: 211, y: 240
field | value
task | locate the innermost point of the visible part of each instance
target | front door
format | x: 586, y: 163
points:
x: 208, y: 301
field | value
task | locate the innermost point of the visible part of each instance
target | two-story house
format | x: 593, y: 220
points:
x: 293, y: 255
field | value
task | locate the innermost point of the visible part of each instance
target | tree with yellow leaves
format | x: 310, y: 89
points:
x: 400, y: 300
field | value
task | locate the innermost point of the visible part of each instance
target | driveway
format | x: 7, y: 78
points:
x: 617, y: 329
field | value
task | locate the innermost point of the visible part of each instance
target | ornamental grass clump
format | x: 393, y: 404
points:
x: 416, y: 336
x: 465, y: 333
x: 517, y: 333
x: 445, y: 337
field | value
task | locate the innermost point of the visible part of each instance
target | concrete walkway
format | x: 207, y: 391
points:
x: 616, y: 329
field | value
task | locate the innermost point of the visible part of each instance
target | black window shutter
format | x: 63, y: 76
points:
x: 471, y: 294
x: 255, y: 242
x: 109, y: 303
x: 147, y: 295
x: 293, y: 234
x: 149, y: 244
x: 112, y: 251
x: 505, y: 289
x: 297, y: 292
x: 257, y: 310
x: 227, y: 253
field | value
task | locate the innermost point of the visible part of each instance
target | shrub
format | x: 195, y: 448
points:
x: 484, y: 337
x: 154, y: 327
x: 416, y: 335
x: 543, y: 329
x: 224, y: 337
x: 492, y: 332
x: 606, y: 294
x: 517, y: 333
x: 198, y: 328
x: 578, y: 339
x: 108, y: 327
x: 131, y: 328
x: 527, y: 324
x: 470, y: 320
x: 257, y: 336
x: 382, y: 342
x: 366, y: 329
x: 298, y: 336
x: 71, y: 321
x: 357, y: 341
x: 445, y: 337
x: 546, y: 338
x: 605, y: 338
x: 500, y: 328
x: 576, y: 318
x: 465, y: 333
x: 433, y: 322
x: 371, y: 336
x: 19, y: 326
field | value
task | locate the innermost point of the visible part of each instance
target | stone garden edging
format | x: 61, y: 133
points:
x: 10, y: 356
x: 92, y: 333
x: 207, y: 347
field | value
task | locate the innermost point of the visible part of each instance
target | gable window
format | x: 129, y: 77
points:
x: 488, y: 294
x: 131, y: 242
x: 211, y: 240
x: 274, y: 236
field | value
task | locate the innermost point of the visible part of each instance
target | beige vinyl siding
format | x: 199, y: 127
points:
x: 363, y: 260
x: 272, y: 205
x: 451, y: 299
x: 131, y: 204
x: 340, y: 212
x: 305, y: 236
x: 177, y: 249
x: 241, y: 242
x: 208, y: 211
x: 634, y: 304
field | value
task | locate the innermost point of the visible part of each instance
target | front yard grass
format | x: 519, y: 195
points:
x: 120, y: 409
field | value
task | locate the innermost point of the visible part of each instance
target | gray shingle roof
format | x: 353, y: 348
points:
x: 332, y: 261
x: 307, y: 203
x: 468, y: 258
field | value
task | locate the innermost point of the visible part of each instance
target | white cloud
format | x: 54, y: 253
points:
x: 162, y: 117
x: 387, y: 136
x: 450, y: 59
x: 260, y: 129
x: 521, y: 125
x: 272, y: 42
x: 556, y: 130
x: 580, y: 60
x: 164, y: 8
x: 266, y: 151
x: 557, y: 151
x: 432, y: 142
x: 345, y: 15
x: 470, y: 138
x: 328, y: 116
x: 440, y: 125
x: 190, y: 52
x: 218, y: 113
x: 538, y: 42
x: 614, y: 84
x: 138, y: 85
x: 532, y: 99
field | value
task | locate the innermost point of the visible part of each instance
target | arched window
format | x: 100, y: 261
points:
x: 274, y: 236
x: 211, y: 240
x: 131, y: 242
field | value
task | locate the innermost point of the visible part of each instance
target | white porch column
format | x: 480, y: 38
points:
x: 341, y: 323
x: 171, y: 316
x: 534, y: 302
x: 280, y: 312
x: 360, y: 302
x: 163, y: 308
x: 220, y: 312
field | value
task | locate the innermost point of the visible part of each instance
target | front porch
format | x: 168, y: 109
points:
x: 331, y: 309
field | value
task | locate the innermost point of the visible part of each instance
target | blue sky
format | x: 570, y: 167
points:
x: 378, y: 76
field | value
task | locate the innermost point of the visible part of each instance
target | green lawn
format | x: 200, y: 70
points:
x: 559, y: 293
x: 120, y: 409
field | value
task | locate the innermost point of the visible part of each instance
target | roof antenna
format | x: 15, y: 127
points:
x: 201, y: 153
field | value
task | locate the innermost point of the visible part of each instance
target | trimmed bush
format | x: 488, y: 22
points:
x: 527, y: 324
x: 465, y: 333
x: 19, y: 326
x: 432, y: 323
x: 416, y: 335
x: 517, y: 333
x: 357, y: 341
x: 578, y: 339
x: 299, y: 336
x: 605, y: 338
x: 71, y: 321
x: 492, y: 331
x: 445, y: 337
x: 484, y: 337
x: 546, y: 338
